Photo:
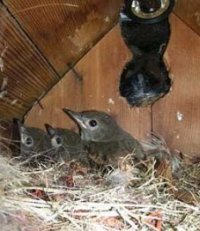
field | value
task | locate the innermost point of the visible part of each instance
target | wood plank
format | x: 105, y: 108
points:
x: 100, y: 70
x: 177, y: 116
x: 189, y: 12
x: 65, y: 30
x: 66, y: 93
x: 23, y: 67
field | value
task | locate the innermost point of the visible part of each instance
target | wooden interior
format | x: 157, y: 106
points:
x: 100, y: 70
x: 189, y: 13
x: 177, y: 116
x: 41, y: 40
x: 62, y: 29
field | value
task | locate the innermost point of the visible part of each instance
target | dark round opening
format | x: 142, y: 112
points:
x: 149, y: 6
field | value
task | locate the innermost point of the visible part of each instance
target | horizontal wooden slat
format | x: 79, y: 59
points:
x: 27, y: 73
x: 65, y: 29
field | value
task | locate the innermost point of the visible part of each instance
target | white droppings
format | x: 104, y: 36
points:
x: 3, y: 52
x: 13, y: 102
x: 179, y: 116
x: 40, y: 112
x: 111, y: 101
x: 107, y: 19
x: 3, y: 94
x: 1, y: 65
x: 197, y: 16
x: 178, y: 137
x: 3, y: 88
x: 4, y: 83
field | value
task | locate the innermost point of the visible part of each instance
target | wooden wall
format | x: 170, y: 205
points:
x: 100, y: 70
x: 176, y: 117
x: 189, y: 12
x: 40, y: 40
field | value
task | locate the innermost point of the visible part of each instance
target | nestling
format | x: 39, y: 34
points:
x: 35, y: 146
x: 104, y: 139
x: 66, y: 143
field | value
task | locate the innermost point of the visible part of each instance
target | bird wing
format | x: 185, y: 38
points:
x: 104, y: 153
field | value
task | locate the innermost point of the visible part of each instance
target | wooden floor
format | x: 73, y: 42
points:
x: 176, y: 117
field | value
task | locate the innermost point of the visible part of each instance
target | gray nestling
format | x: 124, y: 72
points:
x: 35, y: 146
x: 66, y: 143
x: 104, y: 139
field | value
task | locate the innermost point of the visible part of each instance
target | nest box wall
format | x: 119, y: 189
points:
x: 40, y: 45
x: 40, y: 40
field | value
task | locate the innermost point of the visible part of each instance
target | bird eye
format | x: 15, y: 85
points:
x: 59, y: 140
x: 93, y: 123
x: 29, y: 141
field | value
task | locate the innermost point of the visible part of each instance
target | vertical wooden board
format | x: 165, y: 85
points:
x: 66, y: 93
x: 177, y: 116
x: 24, y: 72
x: 64, y: 30
x: 189, y: 12
x: 101, y: 69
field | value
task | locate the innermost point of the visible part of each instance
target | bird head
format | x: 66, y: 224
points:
x: 63, y: 138
x: 95, y: 126
x: 33, y: 140
x: 56, y: 138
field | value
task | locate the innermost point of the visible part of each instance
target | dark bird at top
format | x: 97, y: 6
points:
x: 66, y: 144
x: 104, y: 139
x: 146, y: 31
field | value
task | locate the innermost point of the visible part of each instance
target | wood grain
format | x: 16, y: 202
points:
x: 177, y: 116
x: 66, y: 93
x: 24, y: 72
x: 100, y: 70
x: 65, y: 30
x: 189, y: 12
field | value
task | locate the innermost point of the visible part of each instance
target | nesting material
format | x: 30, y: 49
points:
x: 68, y: 196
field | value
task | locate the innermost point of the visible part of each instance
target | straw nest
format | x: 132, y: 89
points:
x: 67, y: 196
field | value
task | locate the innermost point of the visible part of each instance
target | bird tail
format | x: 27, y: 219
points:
x: 155, y: 146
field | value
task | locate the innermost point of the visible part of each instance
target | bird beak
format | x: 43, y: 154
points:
x: 18, y: 125
x: 76, y: 116
x: 50, y: 130
x: 17, y: 122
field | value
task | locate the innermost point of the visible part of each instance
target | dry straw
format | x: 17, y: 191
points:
x: 38, y: 200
